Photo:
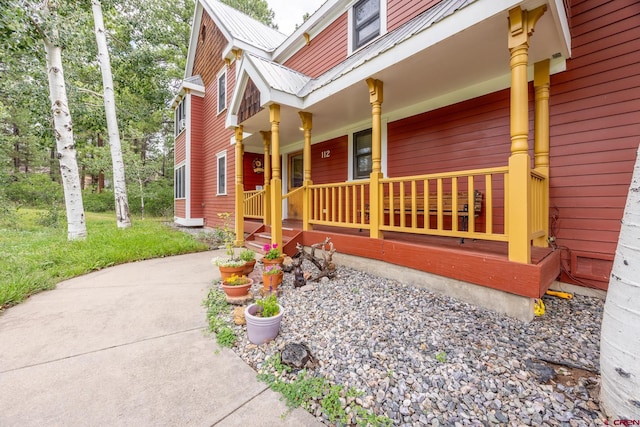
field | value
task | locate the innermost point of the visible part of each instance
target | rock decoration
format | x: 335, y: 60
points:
x: 297, y: 356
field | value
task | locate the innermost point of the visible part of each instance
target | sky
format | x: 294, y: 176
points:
x: 289, y: 12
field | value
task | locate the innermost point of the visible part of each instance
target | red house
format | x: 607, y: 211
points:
x: 488, y: 145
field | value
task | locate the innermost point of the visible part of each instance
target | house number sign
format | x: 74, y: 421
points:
x: 326, y: 154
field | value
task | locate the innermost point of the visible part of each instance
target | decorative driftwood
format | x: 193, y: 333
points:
x: 324, y: 262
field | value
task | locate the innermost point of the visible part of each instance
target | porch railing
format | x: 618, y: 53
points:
x: 537, y: 205
x: 254, y: 204
x: 342, y: 204
x: 465, y: 204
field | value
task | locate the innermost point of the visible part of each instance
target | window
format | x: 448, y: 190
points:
x: 222, y: 91
x: 366, y: 22
x: 180, y: 182
x: 180, y: 116
x: 222, y: 173
x: 362, y: 154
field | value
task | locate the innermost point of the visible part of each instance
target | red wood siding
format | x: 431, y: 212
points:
x: 180, y: 148
x: 250, y: 178
x: 179, y: 207
x: 326, y: 50
x: 401, y: 11
x: 197, y: 160
x: 216, y: 138
x: 595, y: 107
x: 333, y: 168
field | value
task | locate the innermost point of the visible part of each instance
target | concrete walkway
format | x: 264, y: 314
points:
x: 128, y: 346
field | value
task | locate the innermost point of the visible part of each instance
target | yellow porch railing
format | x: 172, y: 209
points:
x: 537, y: 205
x: 465, y: 204
x: 254, y: 204
x: 341, y: 204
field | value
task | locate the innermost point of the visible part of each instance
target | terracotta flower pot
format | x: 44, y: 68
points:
x: 248, y: 267
x: 272, y: 281
x: 262, y: 329
x: 268, y: 262
x: 235, y: 291
x: 226, y: 272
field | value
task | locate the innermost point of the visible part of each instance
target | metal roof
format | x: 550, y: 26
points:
x: 420, y: 23
x: 245, y: 28
x: 279, y: 77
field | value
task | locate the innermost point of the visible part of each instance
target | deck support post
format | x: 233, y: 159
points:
x: 541, y: 84
x: 276, y: 179
x: 521, y: 24
x: 375, y: 198
x: 307, y: 125
x: 239, y: 218
x: 266, y: 200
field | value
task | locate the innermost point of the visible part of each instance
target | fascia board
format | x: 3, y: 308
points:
x: 193, y: 39
x: 474, y: 13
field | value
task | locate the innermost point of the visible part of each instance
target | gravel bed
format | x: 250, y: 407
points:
x: 425, y: 359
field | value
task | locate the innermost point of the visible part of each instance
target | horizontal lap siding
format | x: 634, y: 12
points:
x: 595, y: 107
x: 333, y: 168
x: 325, y: 51
x: 401, y: 11
x: 250, y: 178
x: 180, y: 148
x: 216, y: 138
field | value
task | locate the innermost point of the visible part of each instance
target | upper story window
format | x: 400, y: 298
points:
x: 366, y: 22
x: 181, y: 117
x: 222, y: 90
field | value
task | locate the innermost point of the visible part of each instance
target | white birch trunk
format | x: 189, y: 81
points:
x: 66, y: 152
x: 620, y: 336
x: 119, y: 185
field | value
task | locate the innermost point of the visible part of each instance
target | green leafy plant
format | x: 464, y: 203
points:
x: 272, y: 270
x: 227, y: 234
x: 217, y: 308
x: 236, y: 280
x: 227, y: 262
x: 247, y: 255
x: 268, y: 306
x: 441, y: 357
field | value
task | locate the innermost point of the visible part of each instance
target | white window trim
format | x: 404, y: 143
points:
x: 175, y: 182
x: 222, y: 72
x: 220, y: 155
x: 183, y: 125
x: 383, y: 26
x: 360, y: 128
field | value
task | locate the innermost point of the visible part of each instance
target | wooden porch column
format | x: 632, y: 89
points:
x: 307, y: 125
x: 276, y: 179
x: 521, y: 24
x: 375, y: 98
x: 239, y: 220
x: 541, y: 84
x: 266, y: 206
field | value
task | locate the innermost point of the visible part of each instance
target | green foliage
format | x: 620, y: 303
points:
x: 98, y: 202
x: 217, y: 309
x: 303, y: 389
x: 33, y: 258
x: 257, y: 9
x: 34, y: 190
x: 268, y: 306
x: 441, y: 357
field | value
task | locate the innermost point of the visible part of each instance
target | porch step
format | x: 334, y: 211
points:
x: 261, y: 239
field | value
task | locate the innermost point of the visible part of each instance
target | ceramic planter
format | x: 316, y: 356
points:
x: 268, y: 262
x: 226, y: 272
x: 262, y: 329
x: 272, y: 281
x: 248, y: 267
x: 235, y: 291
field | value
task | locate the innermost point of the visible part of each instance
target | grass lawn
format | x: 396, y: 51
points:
x: 34, y: 258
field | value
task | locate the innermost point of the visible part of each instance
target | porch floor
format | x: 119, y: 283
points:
x: 480, y: 262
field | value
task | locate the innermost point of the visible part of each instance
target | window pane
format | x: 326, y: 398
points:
x: 362, y: 154
x: 222, y: 175
x: 222, y: 92
x: 368, y: 32
x: 366, y: 10
x: 364, y: 165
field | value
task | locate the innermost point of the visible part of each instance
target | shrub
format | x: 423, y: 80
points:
x: 98, y: 202
x: 34, y: 190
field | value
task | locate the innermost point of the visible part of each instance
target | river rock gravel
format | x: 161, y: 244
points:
x: 423, y: 359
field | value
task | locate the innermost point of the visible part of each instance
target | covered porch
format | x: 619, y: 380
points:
x: 486, y: 226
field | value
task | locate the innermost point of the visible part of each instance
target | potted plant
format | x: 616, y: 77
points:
x: 263, y: 319
x: 272, y: 255
x: 249, y: 258
x: 228, y: 266
x: 237, y: 286
x: 272, y: 276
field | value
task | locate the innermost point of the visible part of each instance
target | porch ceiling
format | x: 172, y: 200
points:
x: 470, y: 63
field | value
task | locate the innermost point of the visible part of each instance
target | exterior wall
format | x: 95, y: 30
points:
x: 333, y: 168
x: 179, y: 208
x: 330, y: 45
x: 180, y: 148
x: 250, y: 178
x: 208, y: 63
x: 401, y: 11
x: 595, y: 107
x: 197, y: 160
